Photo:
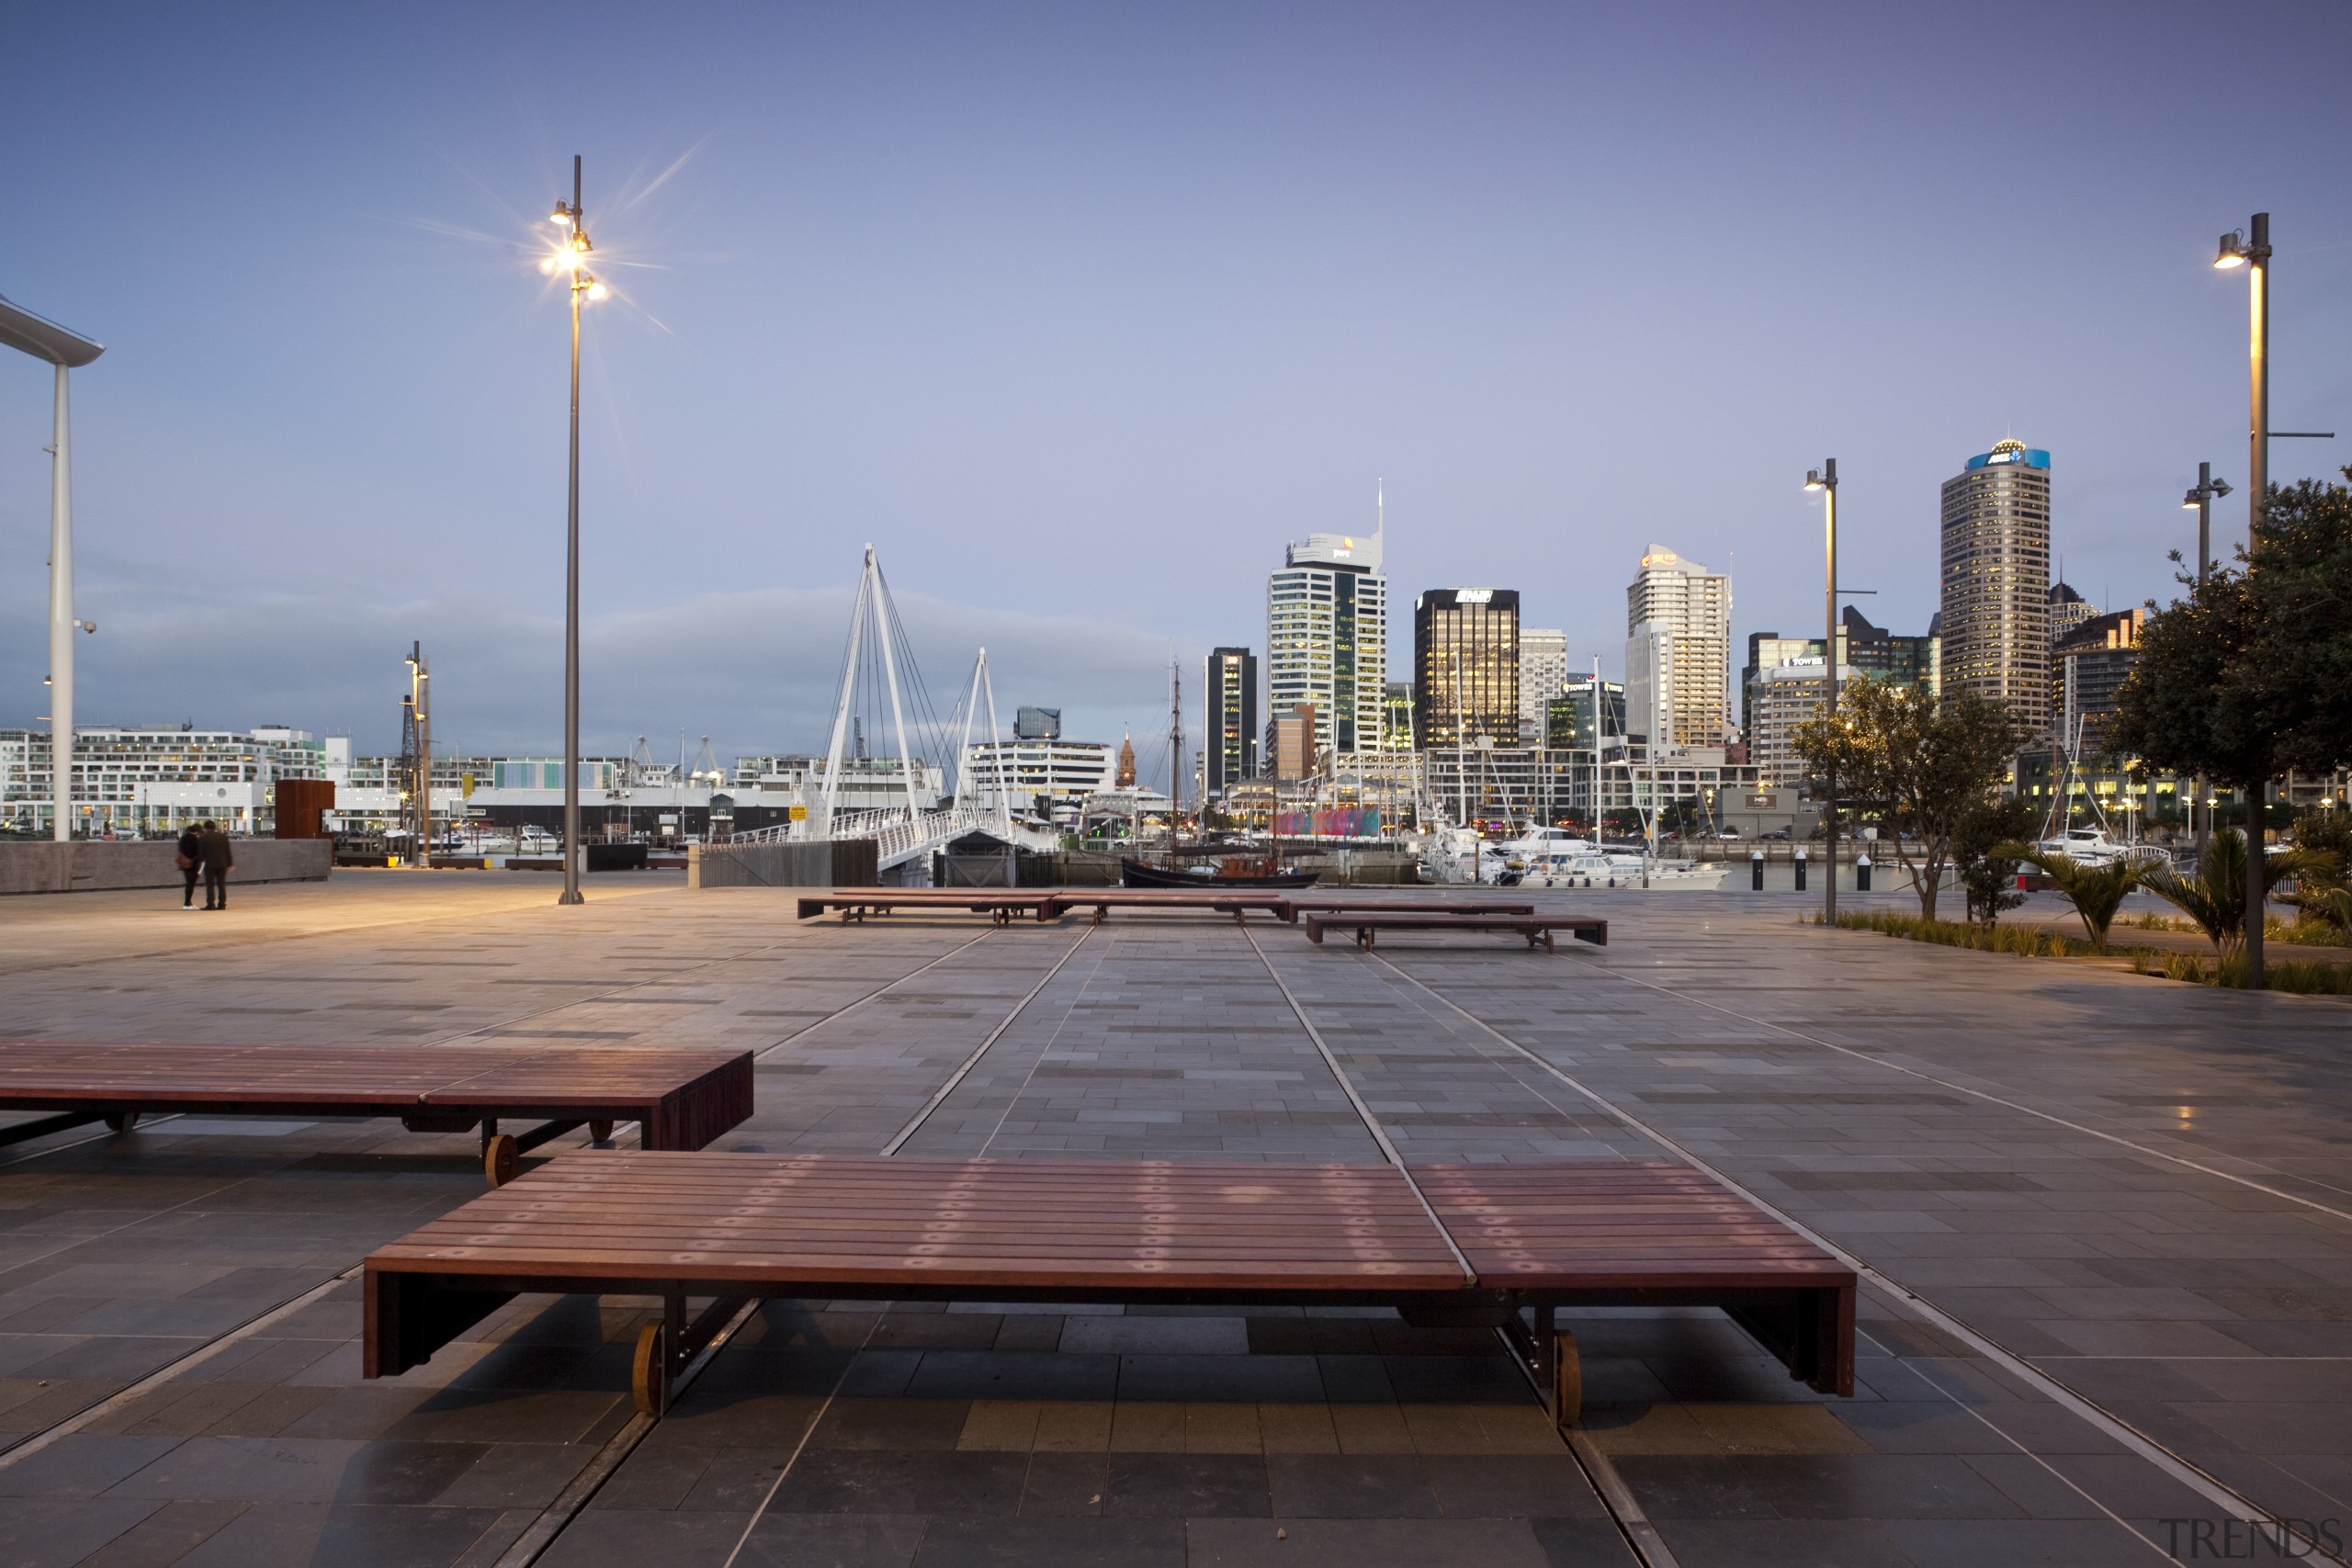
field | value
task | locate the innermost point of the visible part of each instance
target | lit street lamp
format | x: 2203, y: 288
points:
x: 23, y: 330
x: 2199, y: 500
x: 573, y: 257
x: 1824, y: 479
x: 2237, y: 251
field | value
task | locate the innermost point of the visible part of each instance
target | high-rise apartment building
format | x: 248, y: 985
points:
x: 2092, y: 659
x: 1327, y: 637
x: 1543, y: 671
x: 1678, y: 652
x: 1570, y: 718
x: 1230, y: 753
x: 1996, y: 580
x: 1466, y: 666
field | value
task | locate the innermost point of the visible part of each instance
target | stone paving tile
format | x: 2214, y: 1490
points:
x: 2208, y: 1313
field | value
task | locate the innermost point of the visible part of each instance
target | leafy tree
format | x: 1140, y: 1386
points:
x: 1924, y: 767
x: 2251, y: 674
x: 1983, y: 844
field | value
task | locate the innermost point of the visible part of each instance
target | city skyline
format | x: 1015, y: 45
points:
x: 934, y: 287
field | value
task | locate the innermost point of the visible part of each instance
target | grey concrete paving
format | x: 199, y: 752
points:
x: 2139, y: 1189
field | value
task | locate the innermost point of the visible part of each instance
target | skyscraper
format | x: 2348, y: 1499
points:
x: 1543, y: 667
x: 1871, y: 652
x: 1996, y: 580
x: 1678, y: 652
x: 1327, y: 637
x: 1229, y: 751
x: 1466, y: 666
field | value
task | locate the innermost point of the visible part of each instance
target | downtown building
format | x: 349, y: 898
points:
x: 1997, y: 590
x: 1327, y: 639
x: 1678, y: 652
x: 1543, y: 680
x: 1782, y: 687
x: 1229, y: 725
x: 1466, y: 667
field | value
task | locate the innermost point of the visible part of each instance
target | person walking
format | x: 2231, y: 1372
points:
x: 218, y: 858
x: 190, y: 860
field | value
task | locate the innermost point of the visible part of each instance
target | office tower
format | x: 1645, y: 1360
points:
x: 1397, y: 718
x: 1996, y: 580
x: 1327, y: 637
x: 1872, y: 653
x: 1677, y: 652
x: 1230, y: 746
x: 2092, y: 660
x: 2068, y: 610
x: 1036, y: 724
x: 1543, y: 666
x: 1569, y: 717
x: 1466, y: 666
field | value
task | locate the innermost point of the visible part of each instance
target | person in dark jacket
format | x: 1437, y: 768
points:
x: 217, y: 862
x: 191, y: 864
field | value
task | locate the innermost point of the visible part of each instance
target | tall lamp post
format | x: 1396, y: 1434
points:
x: 2199, y: 500
x: 571, y: 257
x: 1824, y: 479
x: 67, y: 350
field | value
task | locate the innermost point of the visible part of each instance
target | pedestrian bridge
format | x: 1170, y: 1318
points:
x: 900, y: 839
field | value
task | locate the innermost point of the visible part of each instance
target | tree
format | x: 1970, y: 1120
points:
x: 1925, y: 766
x: 1984, y: 846
x: 2251, y: 674
x: 2096, y: 890
x: 2217, y: 897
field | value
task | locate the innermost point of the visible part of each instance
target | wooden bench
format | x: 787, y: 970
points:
x: 1000, y: 904
x: 1293, y: 905
x: 1509, y: 1247
x: 1237, y: 902
x: 1535, y: 928
x: 680, y: 1099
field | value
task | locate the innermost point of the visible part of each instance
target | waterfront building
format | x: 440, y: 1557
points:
x: 1033, y: 723
x: 1508, y: 785
x: 1569, y: 717
x: 1869, y: 651
x: 1543, y: 671
x: 154, y: 779
x: 1677, y: 652
x: 2092, y: 660
x: 1294, y: 748
x: 1038, y: 775
x: 1466, y: 666
x: 1230, y: 724
x: 1396, y: 719
x: 1327, y: 637
x: 1781, y: 699
x: 1996, y: 553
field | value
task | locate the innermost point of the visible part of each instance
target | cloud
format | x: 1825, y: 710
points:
x: 755, y: 671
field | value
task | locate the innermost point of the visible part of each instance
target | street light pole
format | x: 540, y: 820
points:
x: 573, y: 258
x: 2253, y: 255
x: 67, y: 350
x: 1824, y: 479
x: 2201, y: 500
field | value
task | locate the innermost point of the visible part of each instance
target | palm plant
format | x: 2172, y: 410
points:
x: 2215, y: 897
x: 2096, y: 890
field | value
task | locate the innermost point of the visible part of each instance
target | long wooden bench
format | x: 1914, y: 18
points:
x: 1235, y: 901
x: 1294, y: 906
x: 1536, y: 928
x: 680, y: 1099
x: 1001, y: 904
x: 1509, y: 1246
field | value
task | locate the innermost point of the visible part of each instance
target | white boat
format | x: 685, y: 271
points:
x: 2091, y: 846
x: 1589, y: 867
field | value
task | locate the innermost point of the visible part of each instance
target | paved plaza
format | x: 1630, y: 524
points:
x: 2105, y: 1222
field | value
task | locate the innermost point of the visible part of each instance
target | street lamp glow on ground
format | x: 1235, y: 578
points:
x: 1824, y: 479
x: 571, y: 257
x: 67, y: 350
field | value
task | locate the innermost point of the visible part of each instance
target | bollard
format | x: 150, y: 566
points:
x: 1861, y: 873
x: 1800, y: 864
x: 1756, y: 870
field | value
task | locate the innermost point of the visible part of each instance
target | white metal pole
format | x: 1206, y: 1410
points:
x: 823, y: 825
x: 898, y: 718
x: 60, y: 621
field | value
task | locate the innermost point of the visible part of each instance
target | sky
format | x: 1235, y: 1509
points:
x: 1077, y: 313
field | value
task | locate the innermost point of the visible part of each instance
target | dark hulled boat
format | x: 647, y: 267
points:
x: 1133, y: 872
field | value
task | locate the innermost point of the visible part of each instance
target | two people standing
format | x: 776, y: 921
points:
x: 204, y: 852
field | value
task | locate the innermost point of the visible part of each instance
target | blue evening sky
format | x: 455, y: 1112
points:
x: 1079, y: 312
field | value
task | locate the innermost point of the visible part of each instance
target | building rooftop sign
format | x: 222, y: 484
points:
x: 2007, y: 452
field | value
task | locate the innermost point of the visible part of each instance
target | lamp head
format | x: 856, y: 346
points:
x: 2231, y: 251
x: 2221, y: 488
x: 1812, y: 478
x: 561, y: 216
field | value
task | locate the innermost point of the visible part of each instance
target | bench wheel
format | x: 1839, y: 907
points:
x: 1567, y: 1380
x: 501, y: 1159
x: 649, y: 1376
x: 600, y: 1133
x: 122, y: 1121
